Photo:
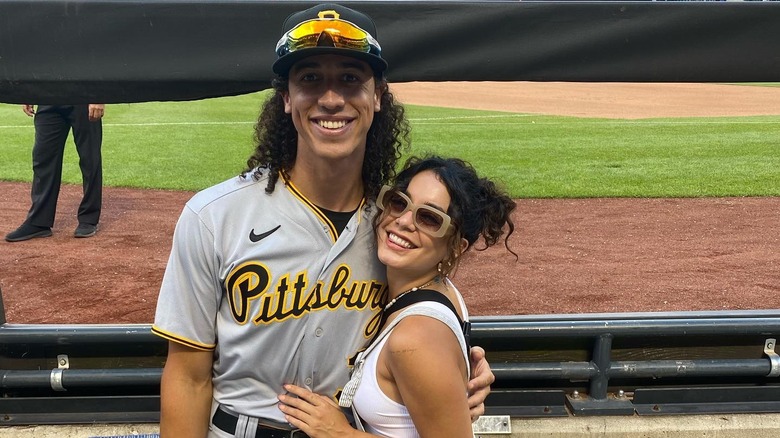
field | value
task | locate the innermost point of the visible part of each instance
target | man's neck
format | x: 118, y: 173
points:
x: 332, y: 187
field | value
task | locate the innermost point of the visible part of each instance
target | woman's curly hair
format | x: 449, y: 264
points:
x: 276, y: 140
x: 478, y: 208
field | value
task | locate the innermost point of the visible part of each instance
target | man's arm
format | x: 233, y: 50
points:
x: 479, y: 385
x: 185, y: 392
x: 29, y: 109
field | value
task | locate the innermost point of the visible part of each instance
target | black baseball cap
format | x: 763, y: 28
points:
x: 321, y: 43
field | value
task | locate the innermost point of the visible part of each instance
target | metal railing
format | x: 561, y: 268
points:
x: 545, y: 365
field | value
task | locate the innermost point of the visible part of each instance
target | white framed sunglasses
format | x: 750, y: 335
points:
x: 427, y: 219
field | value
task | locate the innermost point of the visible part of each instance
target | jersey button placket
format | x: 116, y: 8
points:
x: 318, y: 332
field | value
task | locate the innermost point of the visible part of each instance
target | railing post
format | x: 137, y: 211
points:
x: 2, y: 308
x: 597, y: 401
x: 602, y: 357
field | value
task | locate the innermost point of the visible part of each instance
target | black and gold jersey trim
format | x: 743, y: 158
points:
x: 183, y: 341
x: 334, y: 234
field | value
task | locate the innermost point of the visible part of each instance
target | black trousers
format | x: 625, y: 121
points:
x: 52, y: 125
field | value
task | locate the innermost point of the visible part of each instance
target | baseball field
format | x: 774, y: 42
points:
x: 631, y: 197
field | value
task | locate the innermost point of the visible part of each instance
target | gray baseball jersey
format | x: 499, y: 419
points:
x: 267, y: 284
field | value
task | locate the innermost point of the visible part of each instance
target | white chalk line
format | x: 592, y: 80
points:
x: 460, y: 119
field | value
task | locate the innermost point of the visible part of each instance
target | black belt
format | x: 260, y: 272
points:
x: 227, y: 423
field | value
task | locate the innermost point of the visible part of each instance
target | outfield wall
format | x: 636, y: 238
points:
x: 116, y: 51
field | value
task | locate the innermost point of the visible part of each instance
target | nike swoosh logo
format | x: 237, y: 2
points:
x: 258, y: 237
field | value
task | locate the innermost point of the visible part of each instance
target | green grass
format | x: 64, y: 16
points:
x: 169, y: 145
x: 759, y: 84
x: 191, y: 145
x: 542, y: 156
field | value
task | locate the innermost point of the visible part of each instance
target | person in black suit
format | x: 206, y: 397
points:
x: 52, y: 124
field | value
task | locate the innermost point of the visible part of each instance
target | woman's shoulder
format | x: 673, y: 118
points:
x: 421, y: 339
x: 424, y: 330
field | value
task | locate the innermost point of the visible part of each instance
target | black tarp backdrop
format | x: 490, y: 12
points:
x: 134, y: 51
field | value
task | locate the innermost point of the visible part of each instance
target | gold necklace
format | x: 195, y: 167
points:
x: 422, y: 286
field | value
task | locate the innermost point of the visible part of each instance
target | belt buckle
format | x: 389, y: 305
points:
x: 297, y: 433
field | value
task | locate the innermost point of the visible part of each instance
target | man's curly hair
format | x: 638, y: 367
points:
x: 276, y: 140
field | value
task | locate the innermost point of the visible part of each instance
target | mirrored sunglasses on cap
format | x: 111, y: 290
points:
x: 343, y: 35
x: 427, y: 219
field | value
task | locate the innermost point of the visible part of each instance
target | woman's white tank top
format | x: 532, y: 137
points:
x: 379, y: 414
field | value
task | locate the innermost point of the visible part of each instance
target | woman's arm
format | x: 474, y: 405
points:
x: 424, y: 369
x: 316, y: 415
x: 185, y: 392
x: 425, y: 361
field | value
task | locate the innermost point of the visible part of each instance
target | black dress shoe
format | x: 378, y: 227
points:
x: 85, y: 230
x: 27, y: 232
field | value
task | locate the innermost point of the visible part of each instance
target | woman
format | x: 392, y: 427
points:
x: 411, y: 381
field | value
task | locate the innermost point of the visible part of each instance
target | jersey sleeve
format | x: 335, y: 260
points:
x: 190, y: 293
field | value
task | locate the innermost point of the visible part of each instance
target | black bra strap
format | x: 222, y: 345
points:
x: 427, y: 295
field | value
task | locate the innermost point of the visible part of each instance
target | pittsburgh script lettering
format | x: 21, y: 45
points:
x: 293, y: 295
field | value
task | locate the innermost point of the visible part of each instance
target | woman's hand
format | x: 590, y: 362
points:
x: 316, y: 415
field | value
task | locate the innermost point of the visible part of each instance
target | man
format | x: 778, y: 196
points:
x: 273, y: 276
x: 52, y: 124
